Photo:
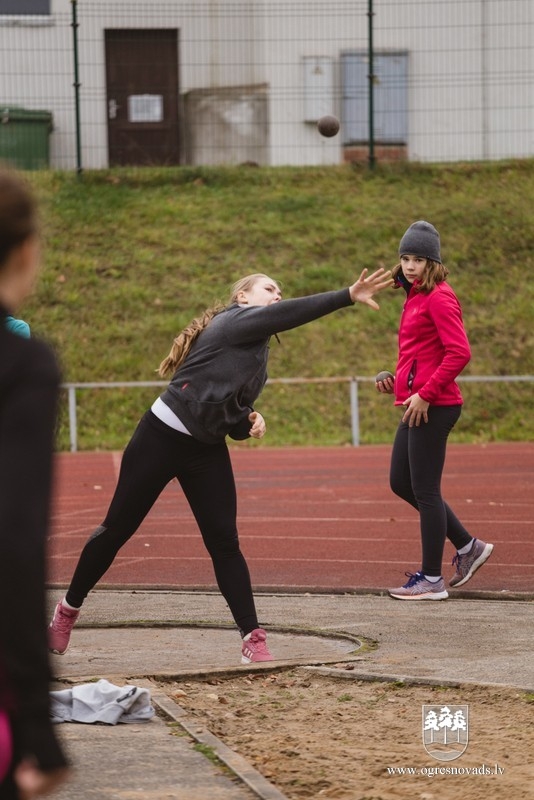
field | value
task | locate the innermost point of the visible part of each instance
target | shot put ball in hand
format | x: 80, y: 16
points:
x: 328, y: 126
x: 383, y: 376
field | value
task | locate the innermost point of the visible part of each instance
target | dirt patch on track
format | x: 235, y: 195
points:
x: 316, y: 736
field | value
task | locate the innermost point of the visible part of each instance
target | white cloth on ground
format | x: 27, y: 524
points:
x: 101, y: 702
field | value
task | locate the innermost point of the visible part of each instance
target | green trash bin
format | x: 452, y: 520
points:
x: 24, y: 137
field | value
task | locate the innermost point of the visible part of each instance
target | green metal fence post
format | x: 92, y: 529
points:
x: 371, y: 76
x: 76, y: 85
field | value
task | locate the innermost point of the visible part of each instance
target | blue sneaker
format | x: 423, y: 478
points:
x: 418, y: 588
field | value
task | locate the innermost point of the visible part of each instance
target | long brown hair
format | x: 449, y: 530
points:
x: 434, y: 273
x: 18, y: 213
x: 184, y: 341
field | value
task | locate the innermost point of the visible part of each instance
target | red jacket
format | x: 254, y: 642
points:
x: 433, y: 347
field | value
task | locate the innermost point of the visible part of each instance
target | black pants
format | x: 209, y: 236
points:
x: 155, y: 455
x: 417, y: 464
x: 8, y: 789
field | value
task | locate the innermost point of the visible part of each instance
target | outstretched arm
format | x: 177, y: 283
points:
x: 367, y: 285
x: 253, y: 322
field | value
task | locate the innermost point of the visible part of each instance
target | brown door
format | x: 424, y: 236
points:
x: 142, y: 96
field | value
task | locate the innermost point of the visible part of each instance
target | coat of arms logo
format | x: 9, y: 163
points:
x: 445, y: 731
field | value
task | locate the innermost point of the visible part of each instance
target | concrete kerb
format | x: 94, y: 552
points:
x: 406, y: 680
x: 359, y: 642
x: 255, y: 781
x: 303, y: 591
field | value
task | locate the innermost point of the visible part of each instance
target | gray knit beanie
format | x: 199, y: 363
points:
x: 421, y: 239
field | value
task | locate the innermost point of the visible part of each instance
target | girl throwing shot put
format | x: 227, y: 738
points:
x: 433, y: 350
x: 218, y: 366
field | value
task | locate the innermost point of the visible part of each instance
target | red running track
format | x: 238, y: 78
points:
x: 313, y: 519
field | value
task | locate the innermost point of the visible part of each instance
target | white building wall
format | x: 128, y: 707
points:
x: 215, y: 49
x: 471, y: 91
x: 295, y: 33
x: 509, y: 79
x: 471, y: 68
x: 32, y: 50
x: 443, y: 42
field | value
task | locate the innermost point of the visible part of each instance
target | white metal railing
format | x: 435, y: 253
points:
x: 353, y: 382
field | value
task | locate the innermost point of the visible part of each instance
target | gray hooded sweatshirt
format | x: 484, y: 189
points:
x: 214, y: 390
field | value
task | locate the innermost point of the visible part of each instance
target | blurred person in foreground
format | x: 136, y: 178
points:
x: 31, y: 760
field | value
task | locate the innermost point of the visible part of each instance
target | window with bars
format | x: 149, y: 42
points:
x: 390, y: 96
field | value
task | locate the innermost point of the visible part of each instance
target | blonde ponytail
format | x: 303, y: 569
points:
x: 184, y: 341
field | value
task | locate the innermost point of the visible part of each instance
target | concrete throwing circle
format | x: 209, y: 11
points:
x: 132, y: 651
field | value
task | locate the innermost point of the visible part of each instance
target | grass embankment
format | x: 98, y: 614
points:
x: 132, y: 255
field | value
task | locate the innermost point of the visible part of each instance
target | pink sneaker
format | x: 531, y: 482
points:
x: 255, y: 647
x: 60, y: 628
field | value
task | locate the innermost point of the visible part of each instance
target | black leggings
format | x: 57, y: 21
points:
x: 417, y: 464
x: 8, y: 789
x: 155, y: 455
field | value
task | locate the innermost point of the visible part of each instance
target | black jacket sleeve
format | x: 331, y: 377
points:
x: 241, y: 430
x: 29, y: 381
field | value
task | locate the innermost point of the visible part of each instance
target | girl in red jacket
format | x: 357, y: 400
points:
x: 433, y: 350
